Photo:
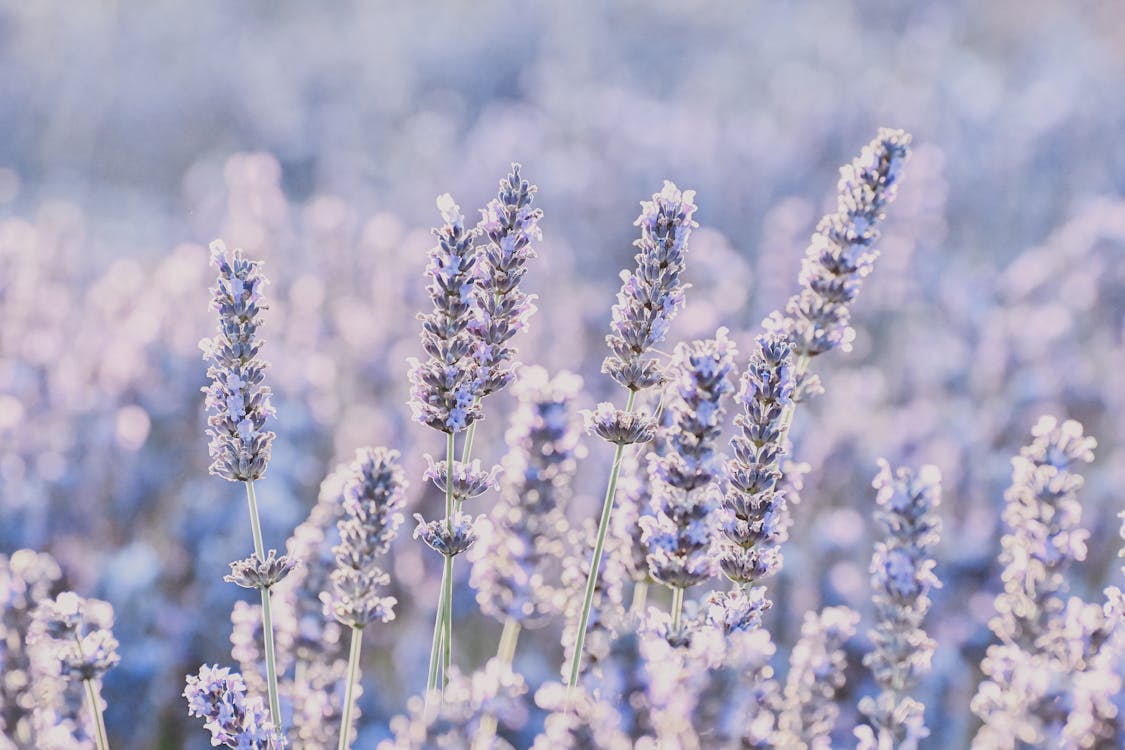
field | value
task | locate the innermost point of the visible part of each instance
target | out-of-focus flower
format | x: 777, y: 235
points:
x: 256, y: 573
x: 77, y: 632
x: 218, y: 696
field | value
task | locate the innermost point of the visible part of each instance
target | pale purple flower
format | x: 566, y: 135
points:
x: 503, y: 309
x: 218, y: 696
x: 237, y: 397
x: 618, y: 426
x: 77, y: 633
x: 469, y: 480
x: 652, y: 294
x: 449, y: 537
x: 445, y: 388
x: 256, y: 573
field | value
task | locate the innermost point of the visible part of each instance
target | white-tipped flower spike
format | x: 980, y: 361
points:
x: 445, y: 386
x: 902, y: 576
x: 218, y: 696
x: 1028, y: 673
x: 816, y: 674
x: 840, y: 254
x: 237, y: 397
x: 503, y: 309
x: 651, y: 295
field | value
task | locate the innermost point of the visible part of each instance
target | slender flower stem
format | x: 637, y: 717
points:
x: 640, y: 596
x: 100, y: 735
x: 447, y: 624
x: 677, y: 605
x: 435, y: 647
x: 596, y: 559
x: 506, y: 651
x: 349, y: 692
x: 267, y: 620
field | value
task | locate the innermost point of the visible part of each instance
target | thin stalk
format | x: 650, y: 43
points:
x: 267, y: 620
x: 509, y: 637
x: 349, y: 692
x: 100, y: 735
x: 677, y: 605
x: 447, y: 625
x: 435, y: 647
x: 596, y: 560
x: 640, y: 596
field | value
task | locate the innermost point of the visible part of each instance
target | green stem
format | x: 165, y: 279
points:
x: 505, y: 653
x: 267, y: 620
x: 349, y: 691
x: 640, y: 596
x: 677, y: 605
x: 596, y: 560
x: 435, y: 647
x: 447, y: 625
x: 100, y: 736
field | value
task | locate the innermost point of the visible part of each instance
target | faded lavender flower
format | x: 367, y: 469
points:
x: 607, y: 609
x: 584, y: 722
x: 218, y: 696
x: 902, y: 576
x: 446, y: 387
x: 373, y: 498
x: 78, y: 633
x: 256, y: 573
x: 1022, y: 699
x: 510, y: 224
x: 469, y: 479
x: 617, y: 426
x: 681, y: 533
x: 754, y: 507
x: 816, y: 672
x: 634, y: 503
x: 840, y: 254
x: 247, y: 646
x: 237, y: 398
x: 516, y: 566
x: 652, y: 294
x: 449, y: 537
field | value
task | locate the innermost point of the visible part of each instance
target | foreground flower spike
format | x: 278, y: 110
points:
x: 649, y: 299
x: 680, y: 534
x: 240, y: 406
x: 754, y: 508
x: 840, y: 254
x: 77, y: 635
x: 237, y: 398
x: 373, y: 499
x: 510, y: 224
x: 1042, y: 512
x: 816, y: 673
x: 218, y: 696
x: 902, y: 576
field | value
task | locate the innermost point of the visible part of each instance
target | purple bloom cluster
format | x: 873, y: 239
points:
x: 515, y: 566
x: 237, y: 398
x: 902, y: 576
x: 840, y: 254
x: 510, y: 224
x: 373, y: 497
x: 652, y: 294
x: 218, y: 696
x: 445, y: 387
x: 78, y: 633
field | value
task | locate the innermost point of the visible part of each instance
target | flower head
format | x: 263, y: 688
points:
x: 450, y: 536
x: 255, y: 573
x: 469, y: 479
x: 218, y: 696
x: 77, y: 633
x: 618, y: 426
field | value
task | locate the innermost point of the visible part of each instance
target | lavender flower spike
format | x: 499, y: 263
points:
x: 510, y: 224
x: 651, y: 295
x: 218, y: 696
x: 840, y: 254
x: 902, y: 576
x: 237, y: 398
x: 75, y: 634
x: 446, y: 387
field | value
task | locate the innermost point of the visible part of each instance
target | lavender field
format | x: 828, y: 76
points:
x: 637, y: 375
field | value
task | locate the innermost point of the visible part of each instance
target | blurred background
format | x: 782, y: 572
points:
x: 316, y: 137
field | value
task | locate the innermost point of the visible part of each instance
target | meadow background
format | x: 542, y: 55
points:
x: 316, y: 136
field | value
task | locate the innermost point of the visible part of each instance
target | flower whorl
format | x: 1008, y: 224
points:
x: 373, y: 498
x: 652, y: 294
x: 510, y: 224
x: 218, y: 696
x: 445, y: 386
x: 238, y: 399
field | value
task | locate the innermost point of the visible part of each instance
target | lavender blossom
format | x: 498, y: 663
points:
x: 446, y: 387
x: 582, y: 722
x: 237, y: 397
x: 247, y: 646
x: 681, y: 533
x: 255, y: 573
x: 651, y: 295
x: 902, y: 575
x: 510, y: 224
x: 816, y: 672
x: 373, y: 497
x: 754, y: 507
x: 516, y: 564
x: 218, y: 696
x: 469, y: 480
x: 617, y: 426
x: 449, y: 537
x: 840, y: 254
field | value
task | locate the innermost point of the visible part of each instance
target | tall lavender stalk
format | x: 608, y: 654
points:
x: 680, y: 534
x: 902, y: 576
x: 650, y: 297
x: 373, y: 497
x: 239, y: 402
x: 446, y: 396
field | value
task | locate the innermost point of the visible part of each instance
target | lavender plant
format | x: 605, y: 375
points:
x: 902, y: 576
x: 218, y: 696
x: 239, y: 403
x: 649, y: 298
